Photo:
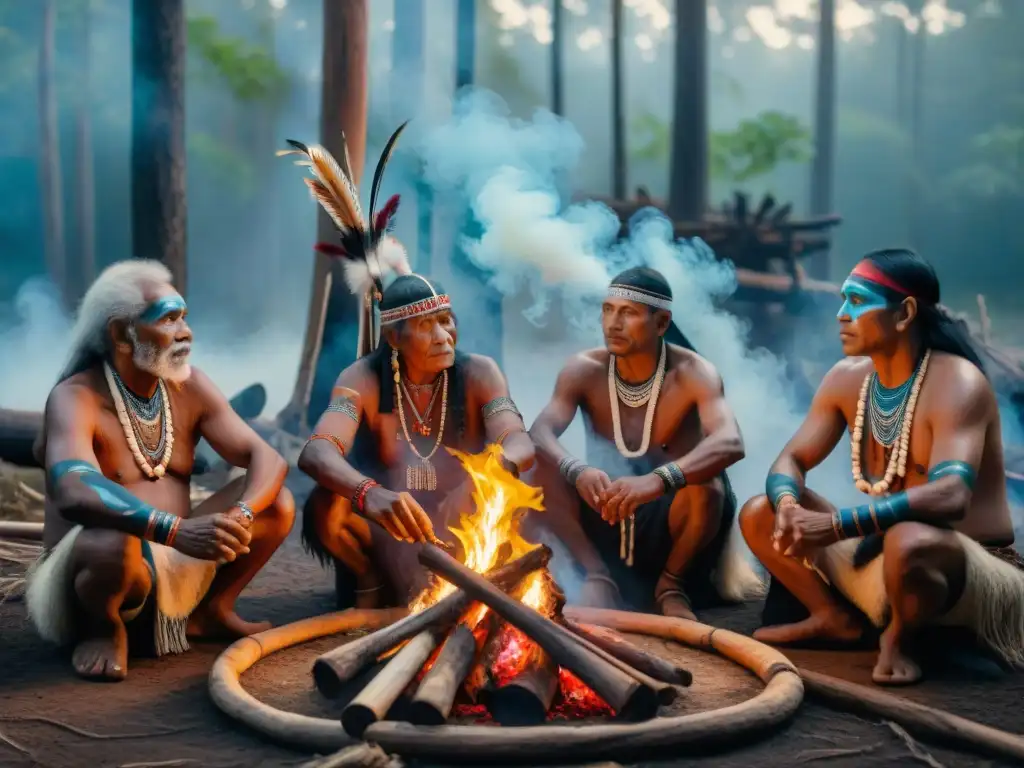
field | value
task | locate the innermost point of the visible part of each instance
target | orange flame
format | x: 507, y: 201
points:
x: 490, y: 530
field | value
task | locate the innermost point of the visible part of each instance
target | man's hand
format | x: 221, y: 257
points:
x: 212, y: 537
x: 399, y: 514
x: 590, y: 485
x: 800, y: 532
x: 620, y: 500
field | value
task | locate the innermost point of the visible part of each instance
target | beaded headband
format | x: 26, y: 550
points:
x: 438, y: 302
x: 631, y: 293
x: 868, y: 271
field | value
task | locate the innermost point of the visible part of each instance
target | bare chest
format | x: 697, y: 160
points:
x: 669, y: 426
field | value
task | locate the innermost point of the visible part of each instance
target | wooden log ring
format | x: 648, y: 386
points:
x: 775, y: 705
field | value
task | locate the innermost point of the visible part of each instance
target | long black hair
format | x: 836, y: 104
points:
x: 916, y: 276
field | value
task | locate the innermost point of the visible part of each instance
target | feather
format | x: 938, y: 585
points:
x: 378, y: 174
x: 392, y: 254
x: 382, y: 219
x: 323, y: 196
x: 359, y: 275
x: 330, y: 249
x: 327, y: 170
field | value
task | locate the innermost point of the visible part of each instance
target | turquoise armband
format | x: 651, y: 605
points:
x: 960, y: 469
x: 778, y: 486
x: 878, y: 516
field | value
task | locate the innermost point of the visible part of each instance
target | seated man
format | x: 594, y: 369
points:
x: 668, y: 511
x: 378, y: 451
x: 934, y: 544
x: 122, y: 545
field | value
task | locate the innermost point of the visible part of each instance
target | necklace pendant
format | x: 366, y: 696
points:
x: 423, y: 429
x: 422, y: 477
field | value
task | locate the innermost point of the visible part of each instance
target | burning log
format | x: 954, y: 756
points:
x: 374, y: 701
x: 434, y: 698
x: 526, y: 693
x: 335, y: 668
x: 612, y: 642
x: 629, y: 698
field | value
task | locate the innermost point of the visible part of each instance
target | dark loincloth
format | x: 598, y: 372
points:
x: 652, y: 545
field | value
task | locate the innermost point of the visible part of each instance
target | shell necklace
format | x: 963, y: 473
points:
x: 424, y: 476
x: 627, y: 528
x: 889, y: 414
x: 138, y: 416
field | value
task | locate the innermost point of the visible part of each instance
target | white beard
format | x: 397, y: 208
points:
x: 163, y: 365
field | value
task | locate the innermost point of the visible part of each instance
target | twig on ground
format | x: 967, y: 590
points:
x: 161, y: 764
x: 32, y: 493
x: 810, y: 755
x: 90, y: 734
x: 916, y: 750
x: 357, y: 756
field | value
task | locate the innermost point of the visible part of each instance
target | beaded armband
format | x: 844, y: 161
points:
x: 499, y: 405
x: 329, y: 438
x: 672, y: 477
x: 571, y: 468
x: 162, y: 527
x: 359, y: 497
x: 960, y: 469
x: 878, y: 516
x: 778, y: 486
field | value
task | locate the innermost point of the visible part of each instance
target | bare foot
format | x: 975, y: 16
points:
x: 104, y: 657
x: 212, y: 624
x: 670, y: 598
x: 835, y: 625
x: 893, y: 666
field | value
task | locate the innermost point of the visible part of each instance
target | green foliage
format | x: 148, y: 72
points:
x: 996, y: 172
x: 860, y: 125
x: 222, y: 164
x: 753, y: 149
x: 250, y: 72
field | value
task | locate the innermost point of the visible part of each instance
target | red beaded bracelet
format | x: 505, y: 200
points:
x: 359, y: 499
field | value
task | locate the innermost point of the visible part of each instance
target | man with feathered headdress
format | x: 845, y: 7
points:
x: 376, y: 453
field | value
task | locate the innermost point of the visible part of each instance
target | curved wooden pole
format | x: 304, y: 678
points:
x: 534, y: 745
x: 11, y: 529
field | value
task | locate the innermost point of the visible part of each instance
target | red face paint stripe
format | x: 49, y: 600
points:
x: 869, y: 271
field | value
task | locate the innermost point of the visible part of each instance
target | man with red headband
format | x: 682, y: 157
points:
x: 932, y: 543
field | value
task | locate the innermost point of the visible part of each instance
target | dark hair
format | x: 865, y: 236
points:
x: 918, y: 279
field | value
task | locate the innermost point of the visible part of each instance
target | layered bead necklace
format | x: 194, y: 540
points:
x: 890, y: 416
x: 422, y: 477
x: 147, y: 424
x: 634, y: 396
x: 422, y: 422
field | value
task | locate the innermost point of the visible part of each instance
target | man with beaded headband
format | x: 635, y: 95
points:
x: 933, y: 543
x: 654, y: 536
x: 378, y: 453
x: 125, y: 553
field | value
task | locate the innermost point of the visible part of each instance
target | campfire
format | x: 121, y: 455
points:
x: 487, y: 638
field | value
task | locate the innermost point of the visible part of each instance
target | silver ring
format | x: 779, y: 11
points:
x: 245, y: 510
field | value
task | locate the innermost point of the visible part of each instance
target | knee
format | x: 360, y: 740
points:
x: 912, y: 549
x: 756, y: 519
x: 699, y: 508
x: 277, y: 519
x: 112, y: 558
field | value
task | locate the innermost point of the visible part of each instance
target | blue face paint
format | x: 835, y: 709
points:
x: 161, y: 308
x: 860, y: 297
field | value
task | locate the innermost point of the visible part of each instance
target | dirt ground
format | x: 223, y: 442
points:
x: 162, y: 715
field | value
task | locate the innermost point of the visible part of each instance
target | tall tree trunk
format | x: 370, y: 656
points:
x: 407, y: 67
x: 483, y: 338
x: 824, y: 126
x: 49, y: 165
x: 619, y: 170
x: 332, y: 324
x: 688, y: 183
x: 557, y: 45
x: 86, y: 197
x: 158, y: 134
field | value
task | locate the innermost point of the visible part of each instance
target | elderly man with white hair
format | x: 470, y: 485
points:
x: 125, y: 554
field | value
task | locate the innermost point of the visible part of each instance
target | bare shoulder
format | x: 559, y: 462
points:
x: 690, y: 367
x: 481, y: 369
x: 964, y: 388
x: 846, y: 375
x: 77, y: 392
x: 588, y: 362
x: 201, y: 387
